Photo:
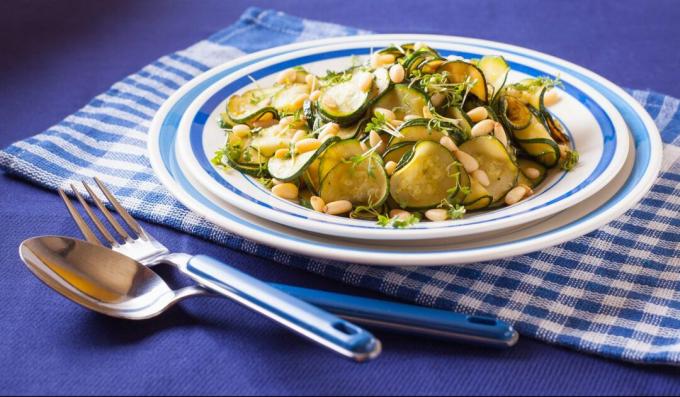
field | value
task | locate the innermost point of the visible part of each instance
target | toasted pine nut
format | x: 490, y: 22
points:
x: 426, y: 112
x: 330, y: 129
x: 310, y: 79
x: 448, y: 143
x: 397, y: 73
x: 399, y: 213
x: 484, y: 127
x: 379, y: 60
x: 286, y: 191
x: 388, y: 114
x: 437, y: 99
x: 365, y: 81
x: 241, y: 130
x: 469, y: 163
x: 281, y: 153
x: 390, y: 167
x: 515, y: 195
x: 277, y: 182
x: 317, y: 203
x: 481, y: 177
x: 529, y: 190
x: 287, y: 76
x: 338, y: 207
x: 437, y: 214
x: 478, y: 114
x: 380, y: 148
x: 329, y: 102
x: 315, y: 95
x: 532, y: 173
x: 374, y: 139
x: 307, y: 145
x: 299, y: 135
x: 410, y: 117
x: 299, y: 101
x: 499, y: 133
x: 551, y: 97
x: 286, y: 121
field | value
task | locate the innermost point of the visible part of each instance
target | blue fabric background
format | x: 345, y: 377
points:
x: 56, y: 56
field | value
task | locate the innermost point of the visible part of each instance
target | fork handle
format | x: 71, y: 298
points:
x: 318, y: 325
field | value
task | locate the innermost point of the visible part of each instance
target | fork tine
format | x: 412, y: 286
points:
x: 119, y: 208
x: 100, y: 226
x: 107, y: 214
x: 80, y: 222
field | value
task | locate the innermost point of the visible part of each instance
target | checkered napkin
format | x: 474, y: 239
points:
x: 614, y: 292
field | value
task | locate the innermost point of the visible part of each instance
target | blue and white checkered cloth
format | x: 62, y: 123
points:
x: 614, y: 292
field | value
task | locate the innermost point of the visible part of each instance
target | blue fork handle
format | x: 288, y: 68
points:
x: 410, y: 319
x: 314, y: 323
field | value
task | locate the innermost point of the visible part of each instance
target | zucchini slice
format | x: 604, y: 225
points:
x: 494, y: 159
x: 425, y: 177
x: 524, y: 164
x: 268, y: 140
x: 554, y: 126
x: 293, y: 167
x: 336, y: 154
x: 396, y: 152
x: 350, y: 102
x: 495, y: 71
x: 459, y: 71
x: 311, y: 176
x: 464, y: 122
x: 381, y: 83
x: 478, y: 198
x: 536, y: 141
x: 426, y: 130
x: 420, y: 57
x: 402, y: 100
x: 252, y: 105
x: 514, y: 112
x: 285, y: 100
x: 225, y: 121
x: 362, y: 183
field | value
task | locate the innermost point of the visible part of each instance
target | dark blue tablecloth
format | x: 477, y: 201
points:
x: 55, y: 56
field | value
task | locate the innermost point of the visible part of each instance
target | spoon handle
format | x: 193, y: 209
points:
x: 320, y: 326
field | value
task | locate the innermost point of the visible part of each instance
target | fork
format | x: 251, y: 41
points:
x: 376, y: 313
x: 309, y: 321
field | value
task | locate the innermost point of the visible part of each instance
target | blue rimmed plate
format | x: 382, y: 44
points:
x: 597, y: 130
x: 620, y: 194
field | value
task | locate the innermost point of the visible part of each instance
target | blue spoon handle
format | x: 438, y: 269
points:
x: 411, y: 319
x: 310, y: 321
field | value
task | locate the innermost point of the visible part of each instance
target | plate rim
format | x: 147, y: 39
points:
x: 569, y: 231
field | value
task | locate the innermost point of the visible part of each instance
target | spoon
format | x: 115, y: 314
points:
x: 113, y: 284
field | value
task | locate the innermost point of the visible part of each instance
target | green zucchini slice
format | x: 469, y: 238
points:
x: 494, y: 159
x: 514, y: 112
x: 402, y: 100
x: 524, y: 164
x: 459, y: 71
x: 536, y: 141
x: 396, y: 152
x: 363, y: 183
x: 554, y: 126
x: 252, y: 105
x: 478, y: 198
x: 463, y: 120
x: 426, y: 129
x: 225, y: 121
x: 311, y: 176
x: 426, y: 177
x: 495, y: 71
x: 381, y: 83
x: 336, y: 154
x: 350, y: 101
x: 284, y: 101
x: 293, y: 167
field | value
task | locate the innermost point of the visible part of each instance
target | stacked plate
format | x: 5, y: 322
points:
x: 618, y: 142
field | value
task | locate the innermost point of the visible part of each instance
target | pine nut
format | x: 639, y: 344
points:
x: 532, y: 173
x: 397, y: 73
x: 374, y: 139
x: 299, y: 135
x: 484, y: 127
x: 481, y: 177
x: 285, y: 121
x: 317, y: 203
x: 380, y: 147
x: 426, y: 112
x: 551, y: 97
x: 311, y: 80
x: 378, y: 60
x: 330, y: 129
x: 264, y: 122
x: 241, y: 130
x: 399, y: 213
x: 448, y: 143
x: 499, y: 133
x: 282, y: 153
x: 437, y: 100
x: 307, y: 145
x: 390, y: 167
x: 437, y: 214
x: 299, y: 101
x: 515, y: 195
x: 388, y: 114
x: 286, y: 191
x: 365, y: 81
x: 287, y: 76
x: 315, y: 95
x: 469, y: 163
x: 338, y: 207
x: 329, y: 102
x: 529, y: 190
x: 478, y: 114
x: 410, y: 117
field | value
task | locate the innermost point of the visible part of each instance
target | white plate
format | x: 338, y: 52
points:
x: 624, y: 192
x: 596, y: 128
